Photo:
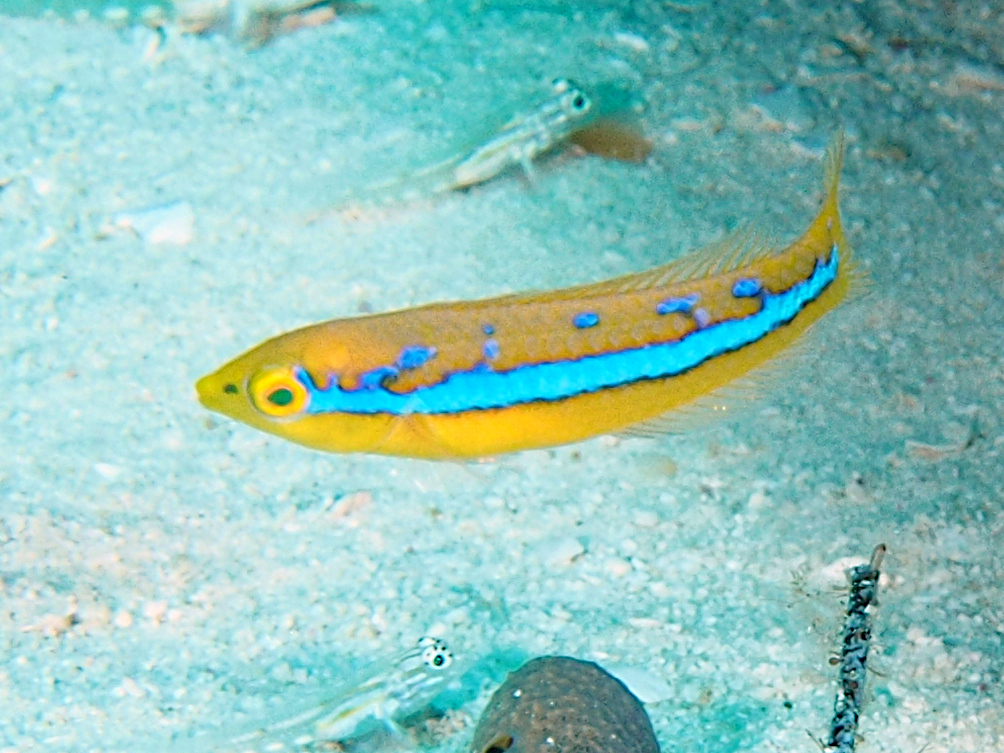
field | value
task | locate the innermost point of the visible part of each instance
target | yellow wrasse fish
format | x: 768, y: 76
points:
x: 478, y: 378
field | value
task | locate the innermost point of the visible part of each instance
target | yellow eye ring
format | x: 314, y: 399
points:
x: 276, y: 392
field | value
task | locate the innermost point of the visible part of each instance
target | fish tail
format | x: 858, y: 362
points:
x: 827, y: 229
x: 827, y: 232
x: 857, y: 281
x: 833, y: 165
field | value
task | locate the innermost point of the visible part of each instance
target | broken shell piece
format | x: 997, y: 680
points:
x: 170, y: 223
x: 646, y: 686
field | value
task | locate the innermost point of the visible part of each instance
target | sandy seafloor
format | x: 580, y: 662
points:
x: 165, y: 572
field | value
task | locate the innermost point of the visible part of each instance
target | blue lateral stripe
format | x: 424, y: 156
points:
x: 481, y: 388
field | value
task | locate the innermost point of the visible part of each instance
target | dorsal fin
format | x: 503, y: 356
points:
x: 733, y: 252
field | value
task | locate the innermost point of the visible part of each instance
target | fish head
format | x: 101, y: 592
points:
x: 572, y: 103
x: 402, y: 686
x: 421, y: 668
x: 570, y: 93
x: 266, y: 384
x: 271, y: 387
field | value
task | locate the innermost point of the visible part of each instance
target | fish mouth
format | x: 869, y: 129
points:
x: 206, y: 392
x: 213, y: 391
x: 203, y: 388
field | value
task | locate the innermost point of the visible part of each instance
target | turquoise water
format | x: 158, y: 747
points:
x: 165, y: 572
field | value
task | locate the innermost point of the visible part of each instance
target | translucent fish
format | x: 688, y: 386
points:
x: 524, y: 137
x: 600, y: 122
x: 386, y: 693
x: 517, y: 143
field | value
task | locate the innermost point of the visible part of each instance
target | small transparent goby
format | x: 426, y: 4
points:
x: 382, y: 694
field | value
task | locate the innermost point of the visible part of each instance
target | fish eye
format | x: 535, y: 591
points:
x: 579, y: 102
x: 438, y: 659
x: 277, y: 392
x: 280, y: 397
x: 436, y: 653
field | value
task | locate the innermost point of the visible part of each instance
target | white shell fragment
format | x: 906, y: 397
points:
x: 170, y: 223
x: 646, y: 686
x: 560, y: 552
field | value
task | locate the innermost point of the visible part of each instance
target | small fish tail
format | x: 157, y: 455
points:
x: 827, y: 230
x: 834, y: 163
x: 828, y: 221
x: 829, y: 217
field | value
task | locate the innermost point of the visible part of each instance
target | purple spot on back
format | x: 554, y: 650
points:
x: 586, y: 319
x: 491, y: 349
x: 375, y: 379
x: 702, y: 317
x: 488, y: 329
x: 746, y: 288
x: 414, y: 356
x: 681, y: 305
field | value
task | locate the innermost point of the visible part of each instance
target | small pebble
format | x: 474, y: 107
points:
x: 616, y: 567
x: 351, y: 504
x: 646, y: 519
x: 155, y: 611
x: 107, y: 470
x: 560, y: 552
x: 632, y: 41
x: 976, y: 78
x: 170, y: 223
x: 758, y: 500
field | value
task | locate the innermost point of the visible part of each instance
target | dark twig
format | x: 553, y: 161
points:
x: 854, y: 654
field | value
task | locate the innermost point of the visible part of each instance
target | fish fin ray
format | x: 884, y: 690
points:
x: 726, y: 255
x: 833, y: 164
x: 733, y: 401
x: 736, y: 250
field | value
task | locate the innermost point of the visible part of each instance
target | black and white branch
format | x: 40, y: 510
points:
x: 854, y: 654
